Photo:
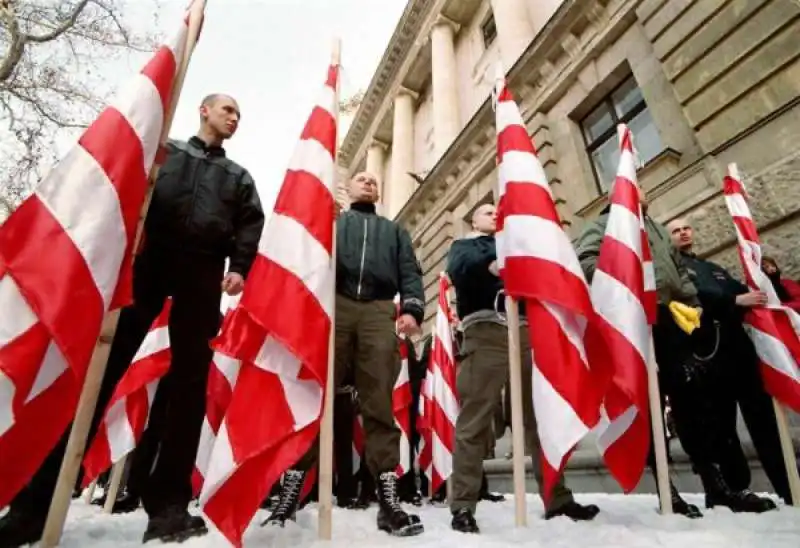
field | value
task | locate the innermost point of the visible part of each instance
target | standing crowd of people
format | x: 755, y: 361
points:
x: 206, y: 210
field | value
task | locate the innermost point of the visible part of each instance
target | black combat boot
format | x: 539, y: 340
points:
x: 289, y: 499
x: 718, y: 493
x: 464, y: 521
x: 174, y: 525
x: 19, y: 528
x: 391, y: 517
x: 574, y: 511
x: 680, y: 506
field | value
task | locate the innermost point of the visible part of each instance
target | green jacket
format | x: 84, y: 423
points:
x: 672, y: 279
x: 375, y: 261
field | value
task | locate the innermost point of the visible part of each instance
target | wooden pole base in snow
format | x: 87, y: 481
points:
x: 787, y: 448
x: 659, y: 442
x: 517, y: 423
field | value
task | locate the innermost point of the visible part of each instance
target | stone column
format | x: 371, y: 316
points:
x: 514, y: 29
x: 446, y: 120
x: 376, y: 160
x: 401, y: 186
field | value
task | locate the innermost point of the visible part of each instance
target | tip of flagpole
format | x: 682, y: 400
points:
x: 733, y: 171
x: 499, y: 72
x: 336, y: 51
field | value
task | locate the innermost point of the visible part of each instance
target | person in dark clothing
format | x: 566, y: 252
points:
x: 374, y: 262
x: 733, y: 372
x: 472, y: 268
x: 788, y: 290
x: 204, y: 209
x: 673, y: 347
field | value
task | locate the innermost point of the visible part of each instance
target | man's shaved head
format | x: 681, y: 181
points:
x: 219, y: 117
x: 484, y: 219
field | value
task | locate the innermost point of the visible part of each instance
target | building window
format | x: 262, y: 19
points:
x: 489, y: 31
x: 623, y: 105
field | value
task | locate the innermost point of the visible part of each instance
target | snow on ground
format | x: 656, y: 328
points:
x: 624, y: 522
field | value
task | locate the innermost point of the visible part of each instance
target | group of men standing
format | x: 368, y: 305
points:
x: 205, y: 210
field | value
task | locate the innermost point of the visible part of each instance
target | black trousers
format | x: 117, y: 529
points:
x: 740, y: 380
x: 690, y: 387
x: 176, y: 418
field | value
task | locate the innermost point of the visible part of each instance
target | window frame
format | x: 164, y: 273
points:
x: 489, y: 20
x: 608, y: 101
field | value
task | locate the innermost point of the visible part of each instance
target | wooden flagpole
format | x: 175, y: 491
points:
x: 517, y: 423
x: 79, y: 433
x: 787, y: 448
x: 114, y: 482
x: 325, y: 486
x: 659, y: 442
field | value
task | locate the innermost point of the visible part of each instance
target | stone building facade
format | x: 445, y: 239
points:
x: 700, y: 82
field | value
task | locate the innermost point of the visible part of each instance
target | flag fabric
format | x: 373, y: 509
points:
x: 624, y: 296
x: 539, y: 267
x: 65, y: 251
x: 128, y: 411
x: 279, y: 332
x: 439, y: 398
x: 358, y: 441
x: 222, y: 375
x: 401, y: 405
x: 775, y: 328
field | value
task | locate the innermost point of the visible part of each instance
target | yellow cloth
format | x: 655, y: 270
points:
x: 687, y: 317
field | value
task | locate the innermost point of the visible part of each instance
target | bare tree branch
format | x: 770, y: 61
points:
x: 53, y: 54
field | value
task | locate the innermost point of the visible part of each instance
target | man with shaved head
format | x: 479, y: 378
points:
x: 204, y: 210
x: 375, y: 262
x: 731, y: 377
x: 483, y: 371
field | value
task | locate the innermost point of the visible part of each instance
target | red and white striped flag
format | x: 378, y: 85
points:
x: 440, y: 400
x: 128, y: 411
x: 774, y: 329
x: 222, y: 375
x: 358, y: 441
x: 401, y: 404
x: 539, y: 267
x: 275, y: 409
x: 624, y: 296
x: 67, y: 249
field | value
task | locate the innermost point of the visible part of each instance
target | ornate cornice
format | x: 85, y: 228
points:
x: 405, y: 35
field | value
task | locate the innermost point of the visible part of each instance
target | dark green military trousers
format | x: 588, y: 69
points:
x: 480, y: 379
x: 366, y: 340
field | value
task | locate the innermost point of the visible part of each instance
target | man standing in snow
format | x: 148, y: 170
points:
x: 472, y: 267
x: 205, y: 209
x: 374, y: 262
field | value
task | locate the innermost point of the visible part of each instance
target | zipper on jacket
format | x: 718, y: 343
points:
x: 363, y: 256
x: 195, y: 184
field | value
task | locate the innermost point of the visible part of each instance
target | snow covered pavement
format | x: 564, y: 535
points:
x: 624, y: 522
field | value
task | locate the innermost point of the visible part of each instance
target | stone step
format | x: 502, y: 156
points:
x: 586, y: 473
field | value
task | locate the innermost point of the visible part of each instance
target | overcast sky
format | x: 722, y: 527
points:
x: 271, y: 55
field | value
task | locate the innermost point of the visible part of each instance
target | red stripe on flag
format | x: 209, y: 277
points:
x: 514, y: 138
x: 524, y: 198
x: 278, y: 285
x: 299, y: 189
x: 123, y: 164
x: 29, y: 234
x: 161, y: 71
x: 621, y: 263
x: 321, y: 127
x: 552, y: 283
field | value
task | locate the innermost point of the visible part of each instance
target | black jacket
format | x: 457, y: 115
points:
x: 468, y: 268
x: 205, y: 203
x: 375, y: 261
x: 716, y: 288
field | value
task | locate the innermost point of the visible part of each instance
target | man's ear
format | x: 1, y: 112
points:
x: 203, y: 112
